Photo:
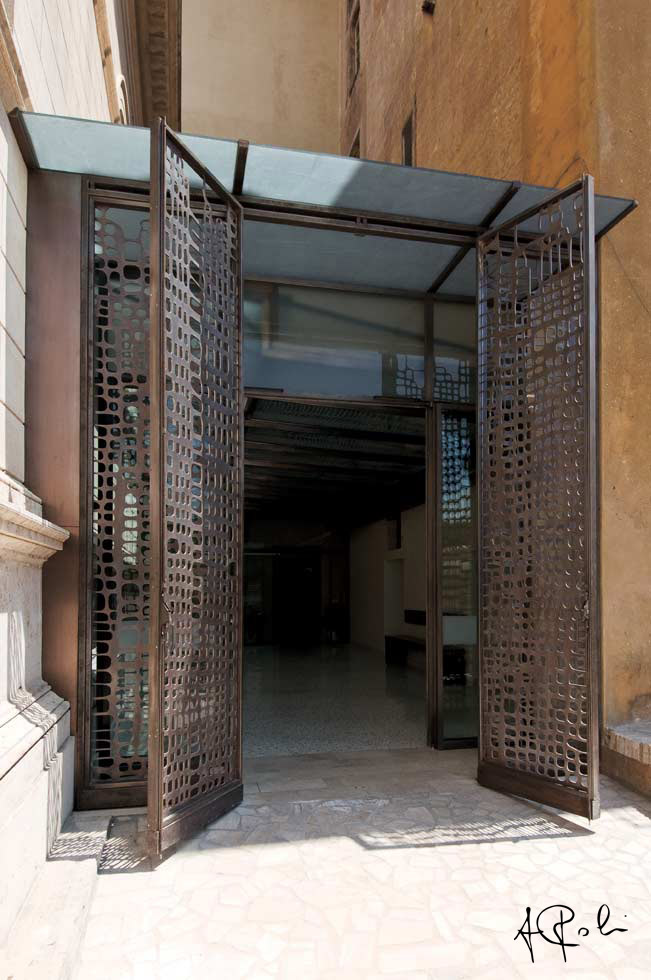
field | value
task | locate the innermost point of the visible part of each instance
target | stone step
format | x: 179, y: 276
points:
x: 50, y: 927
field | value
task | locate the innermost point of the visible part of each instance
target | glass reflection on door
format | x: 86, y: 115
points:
x: 458, y: 655
x: 333, y: 342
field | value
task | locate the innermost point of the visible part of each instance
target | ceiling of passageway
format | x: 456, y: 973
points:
x: 342, y: 460
x: 316, y: 180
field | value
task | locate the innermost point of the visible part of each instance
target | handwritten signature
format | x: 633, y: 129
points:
x: 553, y: 922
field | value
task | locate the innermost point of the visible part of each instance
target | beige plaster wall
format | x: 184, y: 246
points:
x: 266, y: 72
x: 542, y: 91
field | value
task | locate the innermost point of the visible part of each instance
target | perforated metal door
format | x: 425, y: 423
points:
x: 538, y: 504
x: 195, y: 768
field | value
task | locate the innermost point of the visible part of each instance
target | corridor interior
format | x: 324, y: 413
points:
x: 334, y: 578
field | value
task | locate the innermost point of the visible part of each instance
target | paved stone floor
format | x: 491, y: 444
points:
x: 381, y: 864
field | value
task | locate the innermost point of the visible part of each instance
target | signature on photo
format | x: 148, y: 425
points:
x: 551, y: 924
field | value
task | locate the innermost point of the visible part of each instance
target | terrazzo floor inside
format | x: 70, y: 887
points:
x: 329, y: 699
x: 388, y: 863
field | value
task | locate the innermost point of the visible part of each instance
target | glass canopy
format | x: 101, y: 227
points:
x: 293, y: 177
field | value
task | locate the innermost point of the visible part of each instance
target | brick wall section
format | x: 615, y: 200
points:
x: 542, y: 91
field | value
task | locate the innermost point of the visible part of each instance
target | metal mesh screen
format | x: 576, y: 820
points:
x: 535, y: 496
x: 119, y: 609
x: 200, y: 507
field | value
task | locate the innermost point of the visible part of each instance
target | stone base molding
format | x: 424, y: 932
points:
x: 626, y: 754
x: 36, y: 748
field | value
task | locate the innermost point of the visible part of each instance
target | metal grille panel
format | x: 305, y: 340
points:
x: 120, y: 488
x: 534, y: 338
x: 200, y: 501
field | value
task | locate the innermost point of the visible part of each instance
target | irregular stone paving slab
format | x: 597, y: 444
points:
x: 424, y: 875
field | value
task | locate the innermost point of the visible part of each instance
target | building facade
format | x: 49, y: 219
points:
x: 115, y: 62
x: 541, y: 92
x: 513, y: 89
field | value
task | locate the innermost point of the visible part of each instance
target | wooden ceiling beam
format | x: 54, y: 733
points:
x: 366, y: 435
x: 252, y: 468
x: 359, y: 470
x: 332, y: 454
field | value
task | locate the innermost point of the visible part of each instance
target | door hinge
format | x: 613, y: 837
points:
x: 164, y: 616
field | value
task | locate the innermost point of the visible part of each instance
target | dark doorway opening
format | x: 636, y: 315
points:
x: 334, y: 577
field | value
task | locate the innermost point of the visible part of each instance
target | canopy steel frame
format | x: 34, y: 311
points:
x: 337, y: 218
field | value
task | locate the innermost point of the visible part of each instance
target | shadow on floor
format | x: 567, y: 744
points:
x: 379, y: 801
x: 385, y: 800
x: 117, y: 843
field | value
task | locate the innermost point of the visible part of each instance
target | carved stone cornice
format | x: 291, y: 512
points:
x: 159, y: 49
x: 25, y: 536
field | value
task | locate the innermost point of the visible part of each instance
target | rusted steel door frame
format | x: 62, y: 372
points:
x: 192, y: 778
x: 533, y: 743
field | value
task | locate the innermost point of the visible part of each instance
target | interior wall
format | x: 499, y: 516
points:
x: 393, y: 607
x: 368, y: 546
x: 414, y: 576
x: 267, y: 73
x: 377, y: 574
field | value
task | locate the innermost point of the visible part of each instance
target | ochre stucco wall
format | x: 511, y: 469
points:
x: 623, y: 100
x: 542, y: 91
x: 266, y: 72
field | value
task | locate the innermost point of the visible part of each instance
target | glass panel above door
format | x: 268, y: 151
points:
x: 455, y: 352
x: 313, y: 341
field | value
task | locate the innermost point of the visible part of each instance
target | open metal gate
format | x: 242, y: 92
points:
x: 538, y: 592
x: 194, y: 750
